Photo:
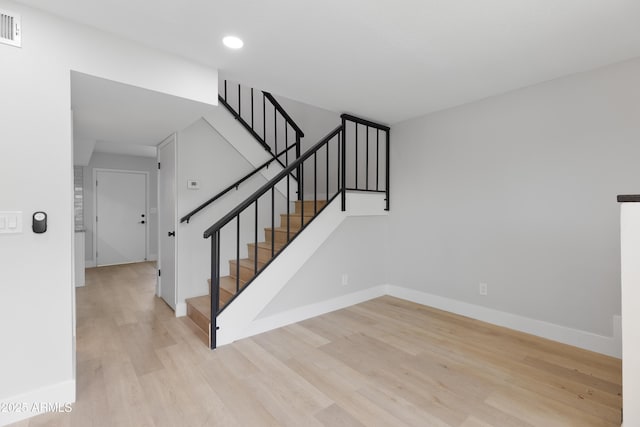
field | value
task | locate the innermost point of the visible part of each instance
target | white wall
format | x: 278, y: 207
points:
x: 518, y: 191
x: 121, y: 162
x: 36, y: 270
x: 630, y: 243
x: 355, y: 248
x: 204, y: 155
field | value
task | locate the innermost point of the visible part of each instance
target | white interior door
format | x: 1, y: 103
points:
x: 121, y: 217
x: 167, y: 220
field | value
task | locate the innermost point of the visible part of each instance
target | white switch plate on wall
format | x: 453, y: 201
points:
x: 10, y: 222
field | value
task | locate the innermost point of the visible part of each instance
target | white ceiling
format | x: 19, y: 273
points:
x: 388, y: 60
x: 112, y: 117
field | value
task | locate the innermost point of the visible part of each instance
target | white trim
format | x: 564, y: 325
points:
x: 64, y: 392
x: 299, y: 314
x: 173, y: 138
x: 181, y: 309
x: 152, y: 257
x: 89, y: 263
x: 611, y: 346
x: 95, y: 208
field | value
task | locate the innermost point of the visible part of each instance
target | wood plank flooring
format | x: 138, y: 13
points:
x: 385, y: 362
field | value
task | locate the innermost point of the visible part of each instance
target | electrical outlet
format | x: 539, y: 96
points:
x: 483, y: 289
x: 345, y: 279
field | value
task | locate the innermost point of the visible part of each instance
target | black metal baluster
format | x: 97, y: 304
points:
x: 315, y: 182
x: 286, y: 143
x: 215, y: 287
x: 273, y: 221
x: 255, y: 240
x: 252, y: 126
x: 387, y: 171
x: 356, y: 125
x: 367, y: 161
x: 288, y: 204
x: 275, y: 129
x: 344, y: 163
x: 377, y: 159
x: 238, y: 254
x: 339, y: 164
x: 264, y: 118
x: 301, y: 191
x: 298, y: 156
x: 326, y: 189
x: 239, y: 100
x: 225, y: 91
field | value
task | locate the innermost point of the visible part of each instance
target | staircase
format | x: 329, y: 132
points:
x: 260, y: 254
x: 352, y: 157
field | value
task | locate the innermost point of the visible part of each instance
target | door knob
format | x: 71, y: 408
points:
x: 142, y: 215
x: 142, y: 222
x: 171, y: 234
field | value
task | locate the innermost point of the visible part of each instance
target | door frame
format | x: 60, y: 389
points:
x: 173, y: 138
x: 95, y: 208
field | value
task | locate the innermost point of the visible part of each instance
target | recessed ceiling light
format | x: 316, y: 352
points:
x: 232, y: 42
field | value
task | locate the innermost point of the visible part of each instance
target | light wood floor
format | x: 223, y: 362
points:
x: 385, y: 362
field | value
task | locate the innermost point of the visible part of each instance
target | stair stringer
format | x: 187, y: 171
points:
x: 238, y: 137
x: 235, y: 322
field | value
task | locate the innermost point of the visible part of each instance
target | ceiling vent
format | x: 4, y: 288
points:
x: 10, y: 28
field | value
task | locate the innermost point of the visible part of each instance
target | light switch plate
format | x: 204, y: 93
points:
x: 10, y: 222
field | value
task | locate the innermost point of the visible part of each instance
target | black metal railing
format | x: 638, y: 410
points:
x: 263, y: 116
x: 354, y: 156
x: 281, y: 146
x: 233, y: 186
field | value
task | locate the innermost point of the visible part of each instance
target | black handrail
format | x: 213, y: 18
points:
x: 261, y: 139
x: 282, y: 111
x: 244, y: 123
x: 235, y: 185
x: 365, y: 122
x: 255, y: 196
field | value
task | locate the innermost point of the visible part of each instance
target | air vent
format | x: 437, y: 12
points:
x: 10, y: 28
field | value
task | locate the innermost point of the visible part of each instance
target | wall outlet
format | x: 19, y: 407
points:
x: 345, y: 279
x: 483, y: 289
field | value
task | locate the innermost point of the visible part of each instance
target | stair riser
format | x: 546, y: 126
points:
x: 280, y: 236
x: 264, y: 254
x: 309, y: 206
x: 295, y: 221
x: 198, y: 318
x: 246, y: 273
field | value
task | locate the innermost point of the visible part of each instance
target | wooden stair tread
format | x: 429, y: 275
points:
x: 292, y: 229
x: 246, y: 263
x: 267, y: 245
x: 228, y: 283
x: 306, y: 213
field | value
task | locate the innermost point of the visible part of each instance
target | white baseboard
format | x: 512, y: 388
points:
x: 152, y: 257
x: 611, y: 346
x: 89, y: 263
x: 181, y: 309
x: 299, y: 314
x: 32, y: 403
